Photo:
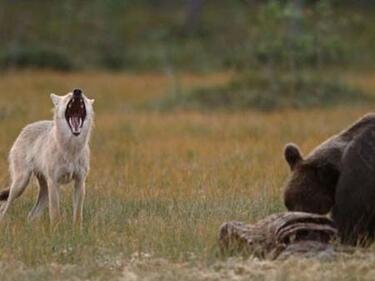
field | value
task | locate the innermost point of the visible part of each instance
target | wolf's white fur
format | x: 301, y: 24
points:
x: 50, y: 151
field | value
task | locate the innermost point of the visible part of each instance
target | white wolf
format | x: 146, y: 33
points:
x: 56, y: 152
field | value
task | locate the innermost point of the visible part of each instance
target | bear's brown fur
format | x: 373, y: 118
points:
x: 329, y: 177
x: 354, y: 208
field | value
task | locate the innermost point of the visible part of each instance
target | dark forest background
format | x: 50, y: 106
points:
x: 198, y: 35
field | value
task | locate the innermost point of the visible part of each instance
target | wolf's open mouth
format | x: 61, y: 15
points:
x: 75, y: 114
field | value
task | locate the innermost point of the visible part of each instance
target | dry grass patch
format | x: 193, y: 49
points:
x: 160, y: 184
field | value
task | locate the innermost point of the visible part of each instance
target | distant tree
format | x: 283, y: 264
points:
x: 193, y: 13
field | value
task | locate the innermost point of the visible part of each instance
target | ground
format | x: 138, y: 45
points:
x: 162, y: 183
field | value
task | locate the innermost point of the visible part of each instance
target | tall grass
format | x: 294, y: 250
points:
x: 160, y: 183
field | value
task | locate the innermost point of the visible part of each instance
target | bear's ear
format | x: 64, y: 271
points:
x: 292, y: 155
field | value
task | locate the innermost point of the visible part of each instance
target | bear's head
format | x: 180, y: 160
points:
x: 311, y: 185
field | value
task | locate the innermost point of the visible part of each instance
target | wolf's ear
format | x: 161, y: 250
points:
x: 92, y: 101
x: 55, y: 99
x: 292, y: 155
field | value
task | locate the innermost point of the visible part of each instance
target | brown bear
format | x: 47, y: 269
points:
x: 338, y: 175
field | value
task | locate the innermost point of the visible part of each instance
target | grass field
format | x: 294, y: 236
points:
x: 162, y: 183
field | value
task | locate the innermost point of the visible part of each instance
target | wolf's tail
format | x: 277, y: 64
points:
x: 4, y: 195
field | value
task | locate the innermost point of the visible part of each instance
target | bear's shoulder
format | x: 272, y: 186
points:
x: 332, y: 149
x: 359, y: 126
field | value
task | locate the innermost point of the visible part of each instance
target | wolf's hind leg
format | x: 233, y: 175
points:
x: 19, y: 183
x: 42, y: 200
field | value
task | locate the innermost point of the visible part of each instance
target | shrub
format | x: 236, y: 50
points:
x: 112, y: 60
x: 255, y: 92
x: 35, y: 57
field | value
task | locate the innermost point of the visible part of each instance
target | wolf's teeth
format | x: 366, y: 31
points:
x: 80, y: 122
x: 71, y: 122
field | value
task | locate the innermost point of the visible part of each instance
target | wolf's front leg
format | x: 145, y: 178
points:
x: 78, y: 199
x: 54, y: 202
x: 42, y: 200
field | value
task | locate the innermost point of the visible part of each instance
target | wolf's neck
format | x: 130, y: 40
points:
x: 69, y: 145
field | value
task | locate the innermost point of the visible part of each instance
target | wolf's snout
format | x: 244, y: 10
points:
x: 77, y: 93
x: 75, y: 113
